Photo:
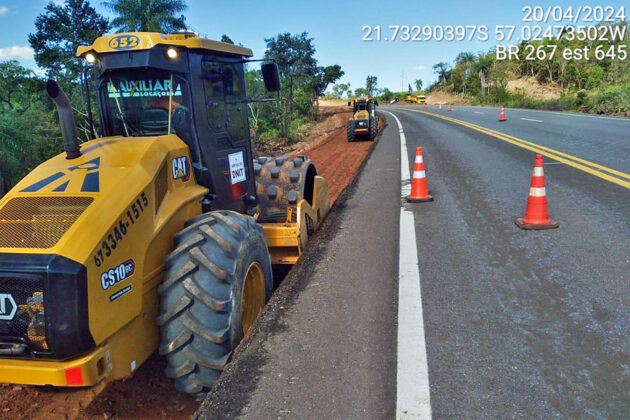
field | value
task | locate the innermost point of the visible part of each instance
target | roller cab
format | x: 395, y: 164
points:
x: 364, y: 121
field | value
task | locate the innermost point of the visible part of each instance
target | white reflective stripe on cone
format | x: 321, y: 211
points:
x: 419, y: 159
x: 538, y: 171
x: 537, y: 192
x: 422, y: 174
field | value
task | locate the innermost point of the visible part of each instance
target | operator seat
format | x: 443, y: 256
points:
x: 154, y: 121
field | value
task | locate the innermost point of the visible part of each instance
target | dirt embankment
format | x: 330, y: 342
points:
x: 148, y: 394
x: 444, y: 98
x: 337, y: 160
x: 332, y: 116
x: 527, y: 86
x: 532, y: 88
x: 326, y: 145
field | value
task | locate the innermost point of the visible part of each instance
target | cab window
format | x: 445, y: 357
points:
x: 224, y: 98
x: 146, y: 103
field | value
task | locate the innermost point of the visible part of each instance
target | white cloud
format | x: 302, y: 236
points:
x: 9, y: 53
x: 419, y: 68
x: 3, y: 10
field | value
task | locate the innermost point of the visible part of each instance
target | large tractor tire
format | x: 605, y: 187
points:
x: 217, y: 281
x: 373, y: 128
x: 350, y: 131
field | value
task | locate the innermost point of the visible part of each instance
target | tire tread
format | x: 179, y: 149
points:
x: 197, y: 296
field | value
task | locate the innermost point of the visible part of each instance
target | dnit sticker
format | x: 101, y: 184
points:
x: 117, y: 274
x: 237, y: 167
x: 181, y: 168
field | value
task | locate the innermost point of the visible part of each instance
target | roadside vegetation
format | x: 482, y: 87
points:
x: 594, y: 86
x: 303, y: 80
x: 29, y: 129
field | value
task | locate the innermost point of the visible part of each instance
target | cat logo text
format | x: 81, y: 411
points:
x: 181, y: 168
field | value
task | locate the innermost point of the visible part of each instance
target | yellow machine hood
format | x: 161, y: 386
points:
x: 105, y: 164
x: 361, y: 115
x: 46, y: 211
x: 135, y: 41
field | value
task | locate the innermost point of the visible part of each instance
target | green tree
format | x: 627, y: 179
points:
x: 387, y: 95
x: 297, y: 64
x: 16, y: 85
x: 464, y: 63
x: 226, y: 39
x: 294, y: 55
x: 370, y: 85
x: 595, y: 77
x: 256, y: 89
x: 457, y: 79
x: 341, y: 89
x: 465, y: 58
x: 148, y: 15
x: 29, y: 132
x: 361, y: 92
x: 324, y: 77
x: 482, y: 67
x: 418, y: 84
x: 441, y: 69
x: 60, y: 31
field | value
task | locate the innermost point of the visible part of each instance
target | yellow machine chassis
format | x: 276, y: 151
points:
x: 155, y: 173
x: 134, y: 343
x: 287, y: 240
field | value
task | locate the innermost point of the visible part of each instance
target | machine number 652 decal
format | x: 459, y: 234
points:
x: 124, y: 42
x: 117, y: 234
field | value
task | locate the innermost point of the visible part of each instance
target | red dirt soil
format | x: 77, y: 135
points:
x: 148, y: 394
x: 338, y: 161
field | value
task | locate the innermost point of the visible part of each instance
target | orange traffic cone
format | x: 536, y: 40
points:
x: 424, y: 105
x: 419, y: 189
x: 449, y: 109
x: 536, y: 214
x: 502, y: 115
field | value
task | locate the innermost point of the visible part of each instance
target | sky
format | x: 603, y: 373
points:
x: 336, y: 27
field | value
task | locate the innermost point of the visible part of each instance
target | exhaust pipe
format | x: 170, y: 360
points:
x: 66, y: 119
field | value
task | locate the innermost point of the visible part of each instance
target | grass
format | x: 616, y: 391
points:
x: 607, y: 100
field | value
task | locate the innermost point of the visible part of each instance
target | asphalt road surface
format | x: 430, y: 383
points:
x: 507, y: 323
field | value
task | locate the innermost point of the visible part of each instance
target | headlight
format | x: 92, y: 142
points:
x: 172, y: 53
x: 90, y: 58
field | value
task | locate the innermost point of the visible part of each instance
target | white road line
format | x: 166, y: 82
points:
x: 413, y: 396
x: 573, y: 114
x: 481, y: 113
x: 529, y: 119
